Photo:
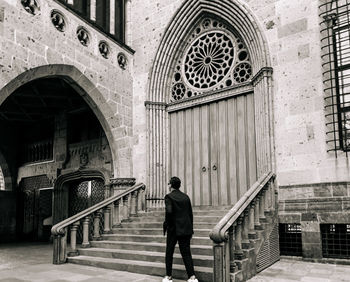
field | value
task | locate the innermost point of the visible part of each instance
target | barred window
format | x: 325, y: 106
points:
x: 335, y: 40
x: 107, y: 15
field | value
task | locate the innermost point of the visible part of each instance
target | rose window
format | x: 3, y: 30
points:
x: 208, y: 60
x: 213, y: 59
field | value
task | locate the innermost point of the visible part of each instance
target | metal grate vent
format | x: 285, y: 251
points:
x: 269, y: 253
x: 290, y: 239
x: 335, y: 41
x: 335, y: 240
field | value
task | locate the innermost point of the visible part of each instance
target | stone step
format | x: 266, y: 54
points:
x: 204, y: 274
x: 198, y: 260
x: 197, y: 208
x: 152, y: 231
x: 151, y: 238
x: 196, y: 218
x: 195, y: 213
x: 154, y: 224
x: 150, y: 247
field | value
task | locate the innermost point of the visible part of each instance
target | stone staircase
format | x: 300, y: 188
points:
x: 138, y: 245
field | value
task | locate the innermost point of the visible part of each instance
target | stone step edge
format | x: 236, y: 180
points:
x: 147, y: 236
x: 137, y: 263
x: 135, y: 252
x: 146, y: 243
x: 155, y: 229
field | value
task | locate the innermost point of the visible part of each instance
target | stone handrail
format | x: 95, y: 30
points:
x: 219, y: 232
x: 121, y: 208
x: 232, y: 233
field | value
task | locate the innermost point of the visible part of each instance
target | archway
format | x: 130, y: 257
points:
x: 176, y: 43
x: 53, y: 124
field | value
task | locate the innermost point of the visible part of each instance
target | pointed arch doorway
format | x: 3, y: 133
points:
x: 212, y: 136
x: 209, y: 108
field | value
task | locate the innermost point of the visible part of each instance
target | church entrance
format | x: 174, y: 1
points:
x: 212, y: 149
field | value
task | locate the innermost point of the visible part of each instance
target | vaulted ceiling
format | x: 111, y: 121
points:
x: 40, y: 100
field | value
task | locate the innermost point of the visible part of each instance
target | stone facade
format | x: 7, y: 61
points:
x: 35, y: 44
x: 313, y: 182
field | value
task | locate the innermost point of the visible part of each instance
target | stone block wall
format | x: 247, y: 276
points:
x: 31, y: 41
x: 294, y: 45
x: 311, y: 205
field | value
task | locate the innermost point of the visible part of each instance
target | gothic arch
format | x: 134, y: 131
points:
x: 84, y: 87
x: 60, y: 203
x: 243, y: 21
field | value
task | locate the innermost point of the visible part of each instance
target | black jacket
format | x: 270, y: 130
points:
x: 178, y: 214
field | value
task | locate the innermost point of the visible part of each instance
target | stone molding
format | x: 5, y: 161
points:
x: 122, y: 182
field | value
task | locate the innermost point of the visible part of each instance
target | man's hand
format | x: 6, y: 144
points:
x: 164, y: 227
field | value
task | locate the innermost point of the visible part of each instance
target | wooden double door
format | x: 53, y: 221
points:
x: 213, y: 150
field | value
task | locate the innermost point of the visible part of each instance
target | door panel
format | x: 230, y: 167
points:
x: 212, y: 150
x: 204, y: 151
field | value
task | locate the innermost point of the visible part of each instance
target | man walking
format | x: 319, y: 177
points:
x: 179, y: 227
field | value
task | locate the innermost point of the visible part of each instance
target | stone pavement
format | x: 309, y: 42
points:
x: 288, y: 270
x: 29, y: 262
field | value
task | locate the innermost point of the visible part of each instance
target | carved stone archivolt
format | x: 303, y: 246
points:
x: 83, y: 36
x: 58, y: 20
x: 31, y: 6
x: 214, y: 59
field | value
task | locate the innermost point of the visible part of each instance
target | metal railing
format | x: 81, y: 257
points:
x: 122, y: 206
x: 231, y: 235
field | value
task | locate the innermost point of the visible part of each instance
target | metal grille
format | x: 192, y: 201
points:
x: 290, y: 239
x: 83, y: 196
x: 35, y: 182
x: 335, y: 40
x: 269, y: 252
x: 45, y: 202
x: 335, y: 240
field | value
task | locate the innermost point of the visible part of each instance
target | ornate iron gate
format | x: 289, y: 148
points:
x: 82, y: 196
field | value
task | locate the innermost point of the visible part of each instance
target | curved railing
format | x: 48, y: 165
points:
x: 232, y: 232
x: 122, y: 206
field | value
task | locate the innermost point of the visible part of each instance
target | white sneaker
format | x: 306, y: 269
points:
x: 168, y: 279
x: 192, y: 279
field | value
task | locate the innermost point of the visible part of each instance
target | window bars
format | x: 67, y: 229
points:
x: 290, y: 239
x: 335, y: 46
x: 335, y: 240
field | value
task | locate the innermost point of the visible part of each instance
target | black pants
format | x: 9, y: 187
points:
x: 185, y: 250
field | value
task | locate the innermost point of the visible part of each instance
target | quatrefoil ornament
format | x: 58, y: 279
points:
x: 104, y: 49
x: 31, y: 6
x: 83, y: 36
x: 58, y: 20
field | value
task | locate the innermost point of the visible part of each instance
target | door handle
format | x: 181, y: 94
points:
x: 204, y: 169
x: 215, y: 167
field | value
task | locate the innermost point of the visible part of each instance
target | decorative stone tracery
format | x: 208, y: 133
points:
x: 58, y: 20
x: 104, y: 49
x: 83, y: 36
x: 31, y: 6
x: 214, y: 59
x: 122, y: 60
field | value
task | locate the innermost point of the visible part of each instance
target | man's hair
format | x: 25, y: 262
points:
x: 175, y: 182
